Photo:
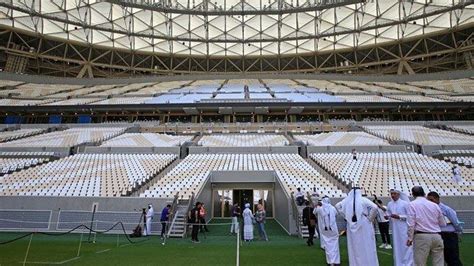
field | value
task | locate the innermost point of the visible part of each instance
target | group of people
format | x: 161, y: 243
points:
x: 197, y: 217
x: 420, y: 228
x: 249, y: 219
x: 149, y: 215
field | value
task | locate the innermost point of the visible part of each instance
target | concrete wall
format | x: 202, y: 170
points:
x: 133, y: 150
x: 243, y: 176
x: 58, y: 151
x: 330, y: 149
x: 205, y: 196
x: 246, y: 150
x: 99, y: 81
x: 56, y: 204
x: 283, y: 209
x: 430, y: 149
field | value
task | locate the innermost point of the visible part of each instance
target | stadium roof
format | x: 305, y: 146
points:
x: 234, y: 27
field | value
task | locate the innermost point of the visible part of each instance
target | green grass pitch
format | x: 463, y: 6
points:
x: 216, y: 248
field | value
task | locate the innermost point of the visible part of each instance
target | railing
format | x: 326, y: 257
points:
x: 172, y: 216
x: 171, y: 224
x: 296, y: 213
x: 310, y: 198
x: 188, y: 209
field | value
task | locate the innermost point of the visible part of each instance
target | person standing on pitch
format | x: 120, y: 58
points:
x: 449, y: 233
x: 260, y: 217
x: 309, y: 220
x: 359, y: 213
x: 383, y: 224
x: 149, y: 218
x: 424, y: 228
x: 397, y: 213
x: 193, y: 218
x: 165, y: 213
x: 236, y: 213
x: 248, y: 223
x: 202, y: 218
x: 327, y: 218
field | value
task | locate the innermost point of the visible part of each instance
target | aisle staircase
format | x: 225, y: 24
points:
x: 179, y: 221
x: 140, y: 188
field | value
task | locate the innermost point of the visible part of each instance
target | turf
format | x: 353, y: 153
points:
x: 216, y: 248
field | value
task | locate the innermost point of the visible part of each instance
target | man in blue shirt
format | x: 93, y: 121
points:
x: 450, y: 232
x: 165, y: 213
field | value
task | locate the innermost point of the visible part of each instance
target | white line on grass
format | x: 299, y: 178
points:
x: 383, y: 252
x: 102, y: 251
x: 53, y: 263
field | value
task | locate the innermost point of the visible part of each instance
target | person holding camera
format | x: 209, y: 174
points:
x: 193, y: 218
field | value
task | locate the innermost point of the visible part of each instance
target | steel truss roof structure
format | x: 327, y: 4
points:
x: 124, y: 37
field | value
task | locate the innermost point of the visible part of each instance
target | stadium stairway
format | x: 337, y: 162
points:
x: 334, y: 180
x: 303, y: 229
x: 150, y: 182
x: 178, y: 226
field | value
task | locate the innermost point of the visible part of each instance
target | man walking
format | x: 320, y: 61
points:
x: 309, y: 220
x: 327, y: 218
x: 424, y: 229
x: 164, y: 219
x: 449, y: 233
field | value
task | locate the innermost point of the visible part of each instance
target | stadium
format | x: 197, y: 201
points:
x: 112, y: 110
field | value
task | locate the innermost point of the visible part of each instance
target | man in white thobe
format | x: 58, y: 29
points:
x: 457, y: 175
x: 359, y: 213
x: 327, y: 218
x: 397, y: 211
x: 248, y: 223
x: 149, y: 217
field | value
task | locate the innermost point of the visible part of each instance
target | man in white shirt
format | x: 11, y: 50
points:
x: 425, y: 220
x: 299, y: 197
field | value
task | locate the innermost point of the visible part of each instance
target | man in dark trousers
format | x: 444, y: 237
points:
x: 165, y: 214
x: 193, y: 218
x: 309, y: 219
x: 449, y: 233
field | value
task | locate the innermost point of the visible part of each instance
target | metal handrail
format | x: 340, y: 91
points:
x: 310, y: 198
x: 295, y: 212
x: 171, y: 225
x: 190, y: 204
x: 172, y: 213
